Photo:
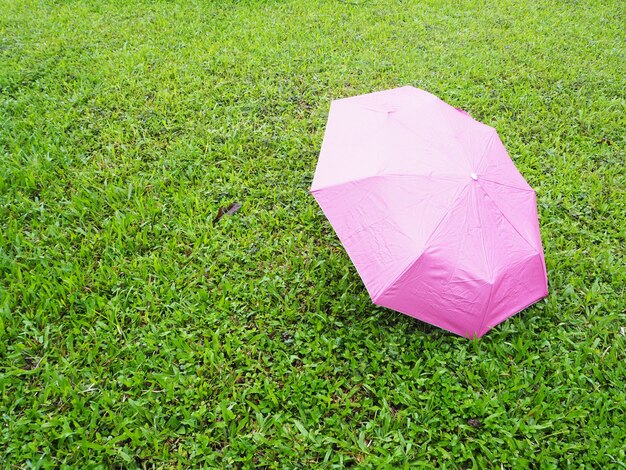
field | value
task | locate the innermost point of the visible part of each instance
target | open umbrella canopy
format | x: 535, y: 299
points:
x: 438, y: 221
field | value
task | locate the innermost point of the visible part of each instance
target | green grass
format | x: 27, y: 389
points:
x: 134, y: 333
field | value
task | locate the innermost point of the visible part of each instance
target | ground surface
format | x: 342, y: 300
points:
x: 134, y: 333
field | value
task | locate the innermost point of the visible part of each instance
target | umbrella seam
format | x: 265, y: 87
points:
x: 411, y: 263
x: 482, y: 238
x: 482, y: 157
x: 457, y: 257
x: 430, y: 142
x: 492, y: 280
x: 487, y: 308
x: 440, y: 176
x: 518, y: 311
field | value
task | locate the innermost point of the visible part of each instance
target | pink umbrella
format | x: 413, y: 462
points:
x: 432, y: 211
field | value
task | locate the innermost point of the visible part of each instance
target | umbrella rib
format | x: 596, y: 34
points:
x: 507, y: 185
x: 508, y: 220
x: 456, y: 137
x: 454, y: 202
x: 482, y: 157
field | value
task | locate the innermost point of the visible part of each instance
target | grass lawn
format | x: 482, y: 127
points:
x: 135, y: 333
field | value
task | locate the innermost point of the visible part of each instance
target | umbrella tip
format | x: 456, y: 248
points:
x: 474, y: 176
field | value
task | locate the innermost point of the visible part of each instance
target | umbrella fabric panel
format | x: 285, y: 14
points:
x: 384, y: 222
x: 496, y: 166
x: 347, y: 152
x: 409, y: 132
x: 519, y: 206
x: 520, y: 286
x: 469, y: 253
